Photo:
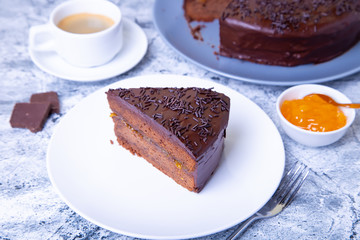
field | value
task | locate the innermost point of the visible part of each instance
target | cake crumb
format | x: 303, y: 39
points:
x: 196, y: 31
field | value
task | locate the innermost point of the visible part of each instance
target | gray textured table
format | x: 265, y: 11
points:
x: 327, y: 207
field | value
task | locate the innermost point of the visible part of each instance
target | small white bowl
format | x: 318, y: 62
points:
x: 310, y: 138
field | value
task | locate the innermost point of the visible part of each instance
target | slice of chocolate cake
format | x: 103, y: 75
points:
x: 180, y: 131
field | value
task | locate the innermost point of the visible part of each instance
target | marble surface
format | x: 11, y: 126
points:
x: 327, y: 206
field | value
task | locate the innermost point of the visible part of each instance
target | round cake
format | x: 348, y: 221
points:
x: 289, y: 32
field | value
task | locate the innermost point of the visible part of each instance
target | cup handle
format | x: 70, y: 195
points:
x: 40, y: 38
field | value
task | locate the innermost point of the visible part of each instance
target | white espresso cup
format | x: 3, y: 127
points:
x: 80, y: 49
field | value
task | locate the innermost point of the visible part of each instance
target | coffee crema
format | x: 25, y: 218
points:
x: 84, y: 23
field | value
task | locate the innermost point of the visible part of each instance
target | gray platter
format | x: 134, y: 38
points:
x: 170, y: 22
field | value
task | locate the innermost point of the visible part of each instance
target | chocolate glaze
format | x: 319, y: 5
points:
x: 194, y: 118
x: 289, y: 32
x: 209, y: 161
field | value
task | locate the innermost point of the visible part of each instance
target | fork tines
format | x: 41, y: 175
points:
x: 292, y: 180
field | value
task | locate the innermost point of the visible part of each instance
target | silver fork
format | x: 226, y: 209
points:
x: 283, y: 196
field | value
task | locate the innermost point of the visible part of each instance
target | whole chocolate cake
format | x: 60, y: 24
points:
x: 288, y: 32
x: 180, y: 131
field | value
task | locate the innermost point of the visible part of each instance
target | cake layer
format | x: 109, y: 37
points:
x: 204, y: 10
x: 137, y: 143
x: 289, y: 33
x: 179, y: 130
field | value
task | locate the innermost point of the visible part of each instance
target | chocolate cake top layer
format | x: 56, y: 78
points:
x: 194, y: 115
x: 279, y: 16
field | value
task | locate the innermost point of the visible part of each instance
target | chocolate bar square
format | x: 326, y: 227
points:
x: 51, y: 97
x: 30, y: 115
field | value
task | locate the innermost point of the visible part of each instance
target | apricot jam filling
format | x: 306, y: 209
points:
x: 313, y: 113
x: 177, y: 163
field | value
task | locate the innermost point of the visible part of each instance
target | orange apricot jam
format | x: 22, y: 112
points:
x: 313, y: 113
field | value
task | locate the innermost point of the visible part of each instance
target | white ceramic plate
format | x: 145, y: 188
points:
x: 133, y: 50
x: 172, y: 26
x: 110, y: 187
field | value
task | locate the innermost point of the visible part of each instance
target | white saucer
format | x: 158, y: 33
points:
x: 133, y: 50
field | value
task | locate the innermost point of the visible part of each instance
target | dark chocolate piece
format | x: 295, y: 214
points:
x: 51, y: 97
x: 30, y: 115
